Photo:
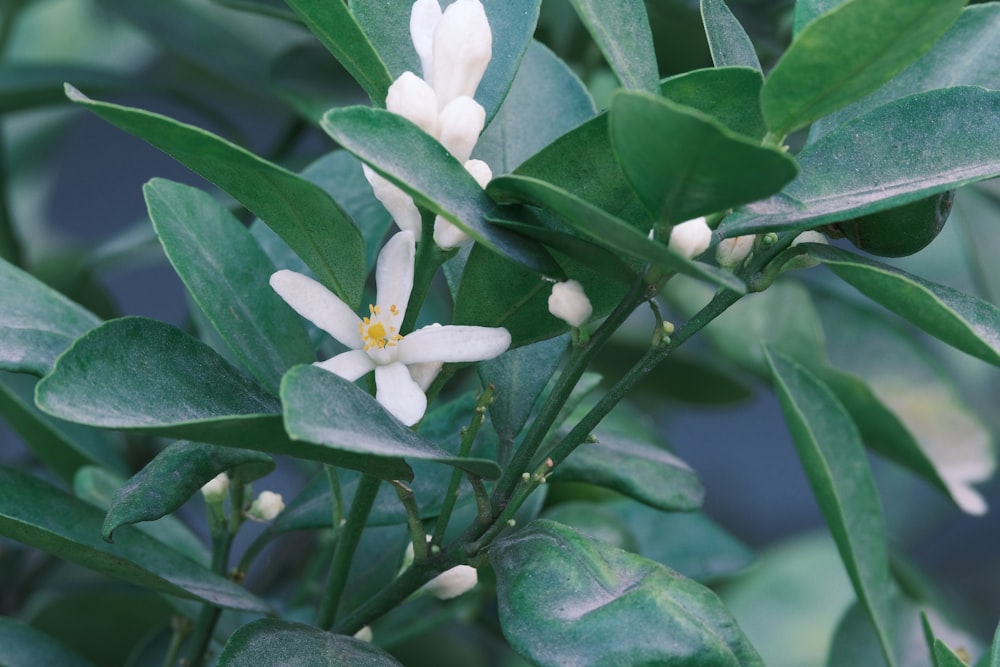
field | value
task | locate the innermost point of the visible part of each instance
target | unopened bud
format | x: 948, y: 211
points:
x: 266, y: 507
x: 453, y: 582
x: 731, y: 252
x: 804, y: 261
x: 411, y: 97
x: 463, y: 46
x: 424, y: 18
x: 216, y: 489
x: 461, y: 123
x: 398, y: 203
x: 364, y: 634
x: 569, y: 303
x: 447, y: 235
x: 690, y: 238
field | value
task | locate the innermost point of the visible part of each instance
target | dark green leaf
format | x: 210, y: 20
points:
x: 274, y: 8
x: 315, y: 227
x: 512, y: 22
x: 337, y: 29
x: 593, y: 520
x: 176, y: 474
x: 621, y: 30
x: 275, y: 643
x: 835, y: 463
x: 23, y: 646
x: 642, y: 471
x: 562, y: 597
x: 27, y: 86
x: 227, y: 274
x: 611, y: 232
x: 38, y: 325
x: 730, y: 95
x: 325, y: 409
x: 416, y: 162
x: 728, y: 41
x: 306, y: 78
x: 683, y: 164
x: 847, y: 53
x: 907, y: 150
x: 46, y: 518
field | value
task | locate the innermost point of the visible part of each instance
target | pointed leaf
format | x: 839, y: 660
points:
x: 834, y: 460
x: 683, y: 164
x: 325, y: 409
x: 847, y: 53
x: 727, y: 40
x: 271, y: 642
x: 730, y: 95
x: 314, y: 226
x: 48, y: 519
x: 38, y: 325
x: 621, y: 30
x: 807, y: 11
x: 173, y: 476
x: 416, y: 162
x: 23, y: 646
x: 562, y: 596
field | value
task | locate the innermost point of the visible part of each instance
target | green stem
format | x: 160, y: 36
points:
x: 336, y: 496
x: 222, y: 541
x: 182, y: 628
x: 347, y: 544
x: 417, y: 533
x: 426, y: 264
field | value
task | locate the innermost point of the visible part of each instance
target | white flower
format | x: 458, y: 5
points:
x: 569, y: 303
x: 266, y: 507
x: 452, y: 583
x: 731, y: 252
x: 216, y: 489
x: 403, y: 365
x: 463, y: 46
x: 447, y: 235
x: 690, y: 238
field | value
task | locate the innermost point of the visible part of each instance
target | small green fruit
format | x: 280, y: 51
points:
x: 899, y: 231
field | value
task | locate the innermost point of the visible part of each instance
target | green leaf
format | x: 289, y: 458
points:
x: 227, y: 273
x: 23, y: 646
x: 907, y: 150
x: 605, y: 229
x: 621, y: 30
x: 995, y: 649
x: 562, y: 597
x: 942, y: 655
x: 315, y: 227
x: 416, y: 162
x: 274, y: 8
x: 730, y: 95
x: 512, y: 22
x: 960, y: 320
x: 834, y: 460
x: 325, y: 409
x: 29, y: 86
x: 337, y: 29
x: 46, y: 518
x: 807, y: 11
x: 173, y: 476
x: 301, y: 76
x: 848, y: 53
x: 38, y: 325
x: 683, y: 164
x: 275, y: 643
x: 642, y: 471
x: 727, y: 40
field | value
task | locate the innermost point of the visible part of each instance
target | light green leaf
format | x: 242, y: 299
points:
x: 23, y: 646
x: 834, y: 460
x: 315, y: 227
x: 621, y: 30
x: 847, y: 53
x: 727, y: 40
x: 275, y: 643
x: 562, y: 596
x: 943, y: 656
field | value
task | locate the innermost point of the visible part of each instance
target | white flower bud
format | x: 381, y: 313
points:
x: 804, y: 261
x: 365, y: 634
x: 461, y: 123
x: 424, y: 19
x: 690, y: 238
x: 453, y: 582
x: 731, y: 252
x: 216, y: 489
x: 266, y: 506
x: 398, y: 203
x: 463, y: 46
x: 447, y: 235
x: 411, y: 97
x: 569, y: 303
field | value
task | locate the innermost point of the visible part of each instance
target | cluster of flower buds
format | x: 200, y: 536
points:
x: 454, y: 46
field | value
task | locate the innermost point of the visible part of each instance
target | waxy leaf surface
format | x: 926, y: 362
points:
x: 730, y: 95
x: 621, y: 30
x: 727, y: 40
x: 276, y: 642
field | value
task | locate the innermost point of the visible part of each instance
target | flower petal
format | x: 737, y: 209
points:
x: 394, y: 272
x: 398, y: 203
x: 399, y: 394
x: 453, y: 343
x: 447, y: 235
x: 463, y: 46
x: 424, y: 374
x: 318, y: 305
x: 348, y: 365
x: 424, y: 18
x: 410, y: 97
x: 461, y: 123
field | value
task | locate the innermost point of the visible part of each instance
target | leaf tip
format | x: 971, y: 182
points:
x: 74, y: 94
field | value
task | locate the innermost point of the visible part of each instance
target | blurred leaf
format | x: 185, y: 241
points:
x: 942, y: 655
x: 416, y: 162
x: 847, y: 53
x: 28, y: 86
x: 173, y: 476
x: 38, y: 325
x: 275, y: 643
x: 325, y: 409
x: 728, y: 41
x: 227, y: 274
x: 829, y: 447
x: 730, y: 95
x: 683, y: 164
x: 907, y: 150
x: 621, y: 30
x: 46, y: 518
x: 807, y: 11
x: 337, y: 29
x: 23, y: 646
x: 562, y: 596
x: 305, y: 77
x: 274, y: 8
x: 316, y: 227
x: 512, y: 22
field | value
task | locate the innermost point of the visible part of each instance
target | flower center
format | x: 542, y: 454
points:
x: 377, y: 331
